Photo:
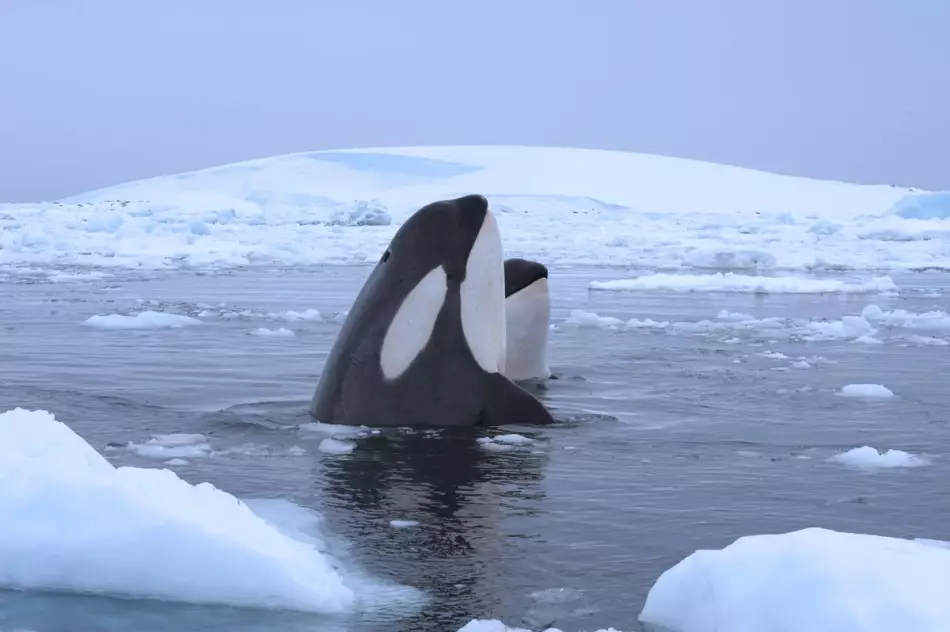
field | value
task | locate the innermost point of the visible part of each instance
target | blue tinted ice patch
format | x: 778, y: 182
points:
x: 923, y: 206
x: 395, y: 164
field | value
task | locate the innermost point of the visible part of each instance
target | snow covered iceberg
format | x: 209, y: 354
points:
x: 74, y: 522
x: 559, y: 205
x: 813, y: 580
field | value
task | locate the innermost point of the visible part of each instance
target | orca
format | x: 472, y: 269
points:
x: 424, y: 343
x: 528, y: 319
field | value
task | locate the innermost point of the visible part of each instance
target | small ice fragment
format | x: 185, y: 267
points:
x: 335, y: 446
x: 867, y: 457
x: 513, y: 439
x: 282, y: 332
x: 878, y: 391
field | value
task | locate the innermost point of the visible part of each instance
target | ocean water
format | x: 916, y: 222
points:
x: 672, y: 440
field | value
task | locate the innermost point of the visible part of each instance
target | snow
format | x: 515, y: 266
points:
x: 74, y: 522
x: 870, y: 391
x: 142, y: 320
x: 943, y: 544
x: 869, y: 458
x: 743, y: 283
x: 557, y: 205
x: 813, y: 579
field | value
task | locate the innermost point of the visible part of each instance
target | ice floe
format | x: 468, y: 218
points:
x: 870, y: 458
x: 74, y: 522
x: 813, y: 579
x: 746, y: 284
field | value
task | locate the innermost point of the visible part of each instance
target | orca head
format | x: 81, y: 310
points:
x: 444, y: 246
x: 522, y: 273
x: 528, y: 315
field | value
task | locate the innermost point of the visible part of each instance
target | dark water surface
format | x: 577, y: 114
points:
x: 673, y: 441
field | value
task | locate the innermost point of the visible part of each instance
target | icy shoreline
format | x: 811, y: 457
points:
x: 563, y: 206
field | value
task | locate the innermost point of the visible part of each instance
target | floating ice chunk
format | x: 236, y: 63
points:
x: 513, y: 439
x: 867, y: 457
x: 334, y: 430
x: 335, y: 446
x: 743, y: 283
x: 142, y: 320
x: 505, y: 442
x: 74, y: 522
x: 282, y: 332
x: 488, y: 444
x: 647, y: 323
x: 169, y: 446
x: 178, y: 438
x: 403, y: 524
x: 590, y: 320
x: 936, y: 320
x: 494, y: 625
x: 292, y: 316
x: 875, y: 391
x: 814, y: 579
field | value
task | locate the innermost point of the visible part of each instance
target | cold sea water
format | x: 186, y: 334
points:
x: 675, y: 438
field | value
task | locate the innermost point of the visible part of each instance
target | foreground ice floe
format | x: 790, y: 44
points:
x: 813, y: 580
x: 74, y: 522
x: 554, y: 204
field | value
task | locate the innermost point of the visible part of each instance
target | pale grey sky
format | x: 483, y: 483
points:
x: 97, y: 92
